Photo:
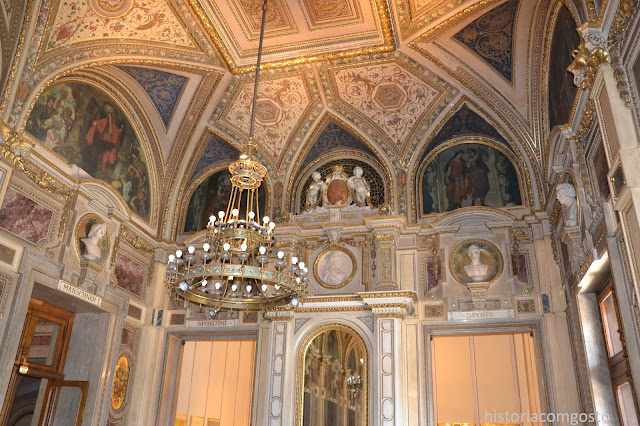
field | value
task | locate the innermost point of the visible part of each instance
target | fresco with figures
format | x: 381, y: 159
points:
x: 469, y: 174
x: 565, y: 40
x: 87, y: 129
x: 211, y: 196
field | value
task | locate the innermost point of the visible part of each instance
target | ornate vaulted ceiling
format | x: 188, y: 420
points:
x: 389, y: 73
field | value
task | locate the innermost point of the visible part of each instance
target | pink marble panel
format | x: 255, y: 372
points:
x: 128, y: 337
x: 24, y: 217
x: 130, y: 275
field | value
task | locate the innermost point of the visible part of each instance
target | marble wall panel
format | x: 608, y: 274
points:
x: 130, y: 274
x: 24, y: 217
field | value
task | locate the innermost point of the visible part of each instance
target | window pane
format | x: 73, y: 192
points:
x: 43, y: 343
x: 624, y: 395
x: 610, y: 325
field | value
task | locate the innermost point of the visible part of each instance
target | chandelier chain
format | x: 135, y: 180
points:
x: 257, y: 78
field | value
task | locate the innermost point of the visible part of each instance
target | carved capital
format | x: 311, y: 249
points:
x: 592, y: 52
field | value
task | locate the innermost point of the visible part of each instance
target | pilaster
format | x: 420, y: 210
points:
x: 389, y: 309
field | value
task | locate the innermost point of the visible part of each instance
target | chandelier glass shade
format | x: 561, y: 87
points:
x: 238, y: 268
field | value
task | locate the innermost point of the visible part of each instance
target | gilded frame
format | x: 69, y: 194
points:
x: 487, y: 249
x: 458, y: 141
x: 354, y: 265
x: 300, y: 374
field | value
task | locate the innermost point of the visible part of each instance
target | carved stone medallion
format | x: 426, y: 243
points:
x: 335, y: 267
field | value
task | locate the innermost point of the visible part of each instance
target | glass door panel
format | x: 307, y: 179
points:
x: 64, y: 403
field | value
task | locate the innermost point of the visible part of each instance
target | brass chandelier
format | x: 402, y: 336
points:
x: 237, y: 267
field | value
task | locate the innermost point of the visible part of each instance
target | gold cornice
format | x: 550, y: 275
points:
x: 331, y: 299
x: 388, y: 294
x: 387, y: 46
x: 333, y: 309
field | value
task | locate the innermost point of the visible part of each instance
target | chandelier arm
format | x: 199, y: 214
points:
x: 255, y: 84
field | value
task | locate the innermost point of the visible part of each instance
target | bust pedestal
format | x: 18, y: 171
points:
x: 478, y: 291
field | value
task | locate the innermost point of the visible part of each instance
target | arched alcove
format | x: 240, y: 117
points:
x: 88, y: 128
x: 332, y: 378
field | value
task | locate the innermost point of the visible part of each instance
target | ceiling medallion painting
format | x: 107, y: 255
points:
x: 249, y: 13
x: 390, y: 96
x: 491, y: 37
x: 331, y: 12
x: 281, y: 104
x: 297, y: 31
x: 145, y: 20
x: 111, y: 8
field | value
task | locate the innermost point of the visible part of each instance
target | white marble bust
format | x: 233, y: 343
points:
x: 475, y: 270
x: 335, y: 268
x: 92, y: 242
x: 566, y: 195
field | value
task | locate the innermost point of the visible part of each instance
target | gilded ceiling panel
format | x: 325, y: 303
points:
x: 140, y: 20
x: 249, y: 15
x: 282, y: 103
x: 321, y: 13
x: 417, y: 15
x: 296, y: 31
x: 397, y: 101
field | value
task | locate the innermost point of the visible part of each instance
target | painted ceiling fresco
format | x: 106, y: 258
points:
x: 338, y: 74
x: 491, y: 36
x: 163, y: 88
x: 334, y: 137
x: 141, y: 20
x: 216, y: 151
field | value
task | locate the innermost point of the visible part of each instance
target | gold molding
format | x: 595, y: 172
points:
x: 496, y: 255
x: 459, y: 141
x: 388, y: 44
x: 340, y: 248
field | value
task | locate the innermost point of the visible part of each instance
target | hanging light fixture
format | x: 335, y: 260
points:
x: 236, y: 268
